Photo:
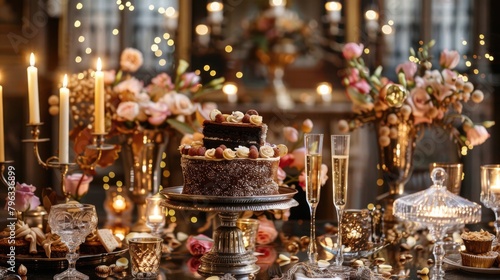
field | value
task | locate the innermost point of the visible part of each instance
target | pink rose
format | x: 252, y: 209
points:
x: 190, y: 81
x: 132, y: 85
x: 109, y: 76
x: 25, y: 198
x: 179, y: 104
x: 419, y: 101
x: 267, y: 254
x: 291, y: 134
x: 162, y: 80
x: 193, y: 264
x: 75, y: 182
x: 281, y: 175
x: 157, y: 112
x: 299, y: 156
x: 352, y: 50
x: 361, y: 86
x: 449, y: 59
x: 286, y: 160
x: 266, y: 233
x: 128, y: 110
x: 131, y: 59
x: 199, y: 244
x: 476, y: 134
x: 408, y: 68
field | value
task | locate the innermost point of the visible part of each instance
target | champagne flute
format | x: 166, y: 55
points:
x: 340, y: 166
x: 314, y: 146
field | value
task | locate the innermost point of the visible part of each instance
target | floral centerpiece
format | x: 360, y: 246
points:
x: 269, y: 30
x: 421, y: 97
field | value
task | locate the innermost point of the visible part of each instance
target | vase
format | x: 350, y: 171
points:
x: 276, y: 59
x: 142, y: 153
x: 395, y: 163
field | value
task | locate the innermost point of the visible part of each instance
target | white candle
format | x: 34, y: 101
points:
x: 64, y: 122
x: 33, y: 91
x: 155, y: 218
x: 99, y: 99
x: 2, y: 148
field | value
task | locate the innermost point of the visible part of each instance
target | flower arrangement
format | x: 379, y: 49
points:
x: 269, y: 31
x: 166, y: 102
x: 421, y: 97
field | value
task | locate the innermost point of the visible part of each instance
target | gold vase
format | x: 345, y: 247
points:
x: 142, y: 154
x: 276, y: 59
x: 395, y: 164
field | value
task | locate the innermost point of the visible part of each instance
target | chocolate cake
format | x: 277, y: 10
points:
x: 233, y: 159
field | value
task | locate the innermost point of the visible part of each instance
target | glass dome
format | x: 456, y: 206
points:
x: 436, y: 205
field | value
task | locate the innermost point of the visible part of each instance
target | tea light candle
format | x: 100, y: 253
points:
x: 215, y: 12
x: 155, y: 218
x: 64, y: 122
x: 325, y: 91
x: 119, y: 203
x: 99, y: 94
x: 231, y: 90
x: 34, y: 110
x: 333, y: 8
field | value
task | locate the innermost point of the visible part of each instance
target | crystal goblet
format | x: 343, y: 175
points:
x: 72, y: 222
x: 490, y: 191
x: 340, y: 168
x: 314, y: 148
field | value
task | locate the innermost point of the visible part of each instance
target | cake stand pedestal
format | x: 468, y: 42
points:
x: 228, y: 254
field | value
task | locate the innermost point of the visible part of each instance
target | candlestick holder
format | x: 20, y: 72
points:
x: 4, y: 180
x: 53, y: 162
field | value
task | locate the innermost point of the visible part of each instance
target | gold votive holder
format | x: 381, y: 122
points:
x: 357, y: 229
x: 249, y: 229
x: 145, y: 257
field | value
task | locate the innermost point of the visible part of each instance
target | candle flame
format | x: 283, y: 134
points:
x: 65, y: 80
x: 99, y: 64
x: 32, y: 59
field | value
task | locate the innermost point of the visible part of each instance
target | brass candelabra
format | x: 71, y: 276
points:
x: 98, y: 145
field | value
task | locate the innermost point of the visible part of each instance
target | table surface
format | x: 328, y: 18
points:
x: 179, y: 265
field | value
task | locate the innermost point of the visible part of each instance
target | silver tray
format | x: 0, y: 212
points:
x: 44, y: 263
x: 175, y: 194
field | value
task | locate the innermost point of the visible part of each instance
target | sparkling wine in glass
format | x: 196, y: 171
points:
x: 490, y: 192
x: 340, y: 166
x: 314, y: 148
x: 72, y: 222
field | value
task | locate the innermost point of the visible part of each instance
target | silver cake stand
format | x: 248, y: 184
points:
x: 228, y: 254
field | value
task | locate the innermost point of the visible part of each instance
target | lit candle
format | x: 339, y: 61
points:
x: 64, y: 122
x: 171, y: 18
x: 119, y: 203
x: 278, y: 7
x: 155, y: 218
x: 333, y: 8
x: 2, y: 148
x: 325, y: 91
x: 215, y: 12
x: 99, y: 99
x: 231, y: 90
x: 33, y: 91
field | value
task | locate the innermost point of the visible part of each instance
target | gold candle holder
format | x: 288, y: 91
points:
x: 53, y: 161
